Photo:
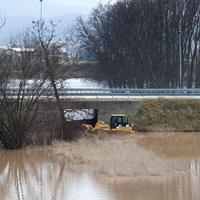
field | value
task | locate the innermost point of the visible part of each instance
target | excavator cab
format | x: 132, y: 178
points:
x: 117, y: 120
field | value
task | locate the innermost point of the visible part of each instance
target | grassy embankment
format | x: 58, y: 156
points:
x: 168, y: 115
x: 179, y: 120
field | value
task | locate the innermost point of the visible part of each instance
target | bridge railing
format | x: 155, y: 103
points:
x: 110, y: 92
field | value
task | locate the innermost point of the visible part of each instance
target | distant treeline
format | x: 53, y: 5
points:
x: 136, y: 42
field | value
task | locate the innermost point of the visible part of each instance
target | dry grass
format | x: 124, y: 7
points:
x: 168, y: 115
x: 172, y: 145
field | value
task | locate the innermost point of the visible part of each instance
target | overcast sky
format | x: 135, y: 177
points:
x: 20, y: 13
x: 51, y: 8
x: 88, y: 3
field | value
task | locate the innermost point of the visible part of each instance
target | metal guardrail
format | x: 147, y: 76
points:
x: 83, y: 92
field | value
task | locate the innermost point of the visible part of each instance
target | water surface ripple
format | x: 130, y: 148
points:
x: 36, y: 176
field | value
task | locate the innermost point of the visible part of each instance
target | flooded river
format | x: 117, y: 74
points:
x: 36, y: 175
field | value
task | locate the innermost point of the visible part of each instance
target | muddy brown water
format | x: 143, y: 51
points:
x: 36, y: 175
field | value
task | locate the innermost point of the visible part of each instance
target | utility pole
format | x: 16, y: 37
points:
x: 41, y: 27
x: 41, y: 1
x: 180, y: 52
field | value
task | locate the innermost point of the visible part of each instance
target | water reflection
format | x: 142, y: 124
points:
x: 195, y: 179
x: 35, y: 175
x: 182, y: 186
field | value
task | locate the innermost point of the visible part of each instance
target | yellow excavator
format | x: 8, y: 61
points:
x: 118, y: 122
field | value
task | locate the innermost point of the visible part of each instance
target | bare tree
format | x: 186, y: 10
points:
x: 136, y: 42
x: 46, y: 38
x: 2, y: 22
x: 19, y: 96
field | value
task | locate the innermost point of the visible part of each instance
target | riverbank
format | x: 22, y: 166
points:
x: 168, y: 115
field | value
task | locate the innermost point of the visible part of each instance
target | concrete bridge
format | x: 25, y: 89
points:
x: 109, y: 101
x: 104, y: 108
